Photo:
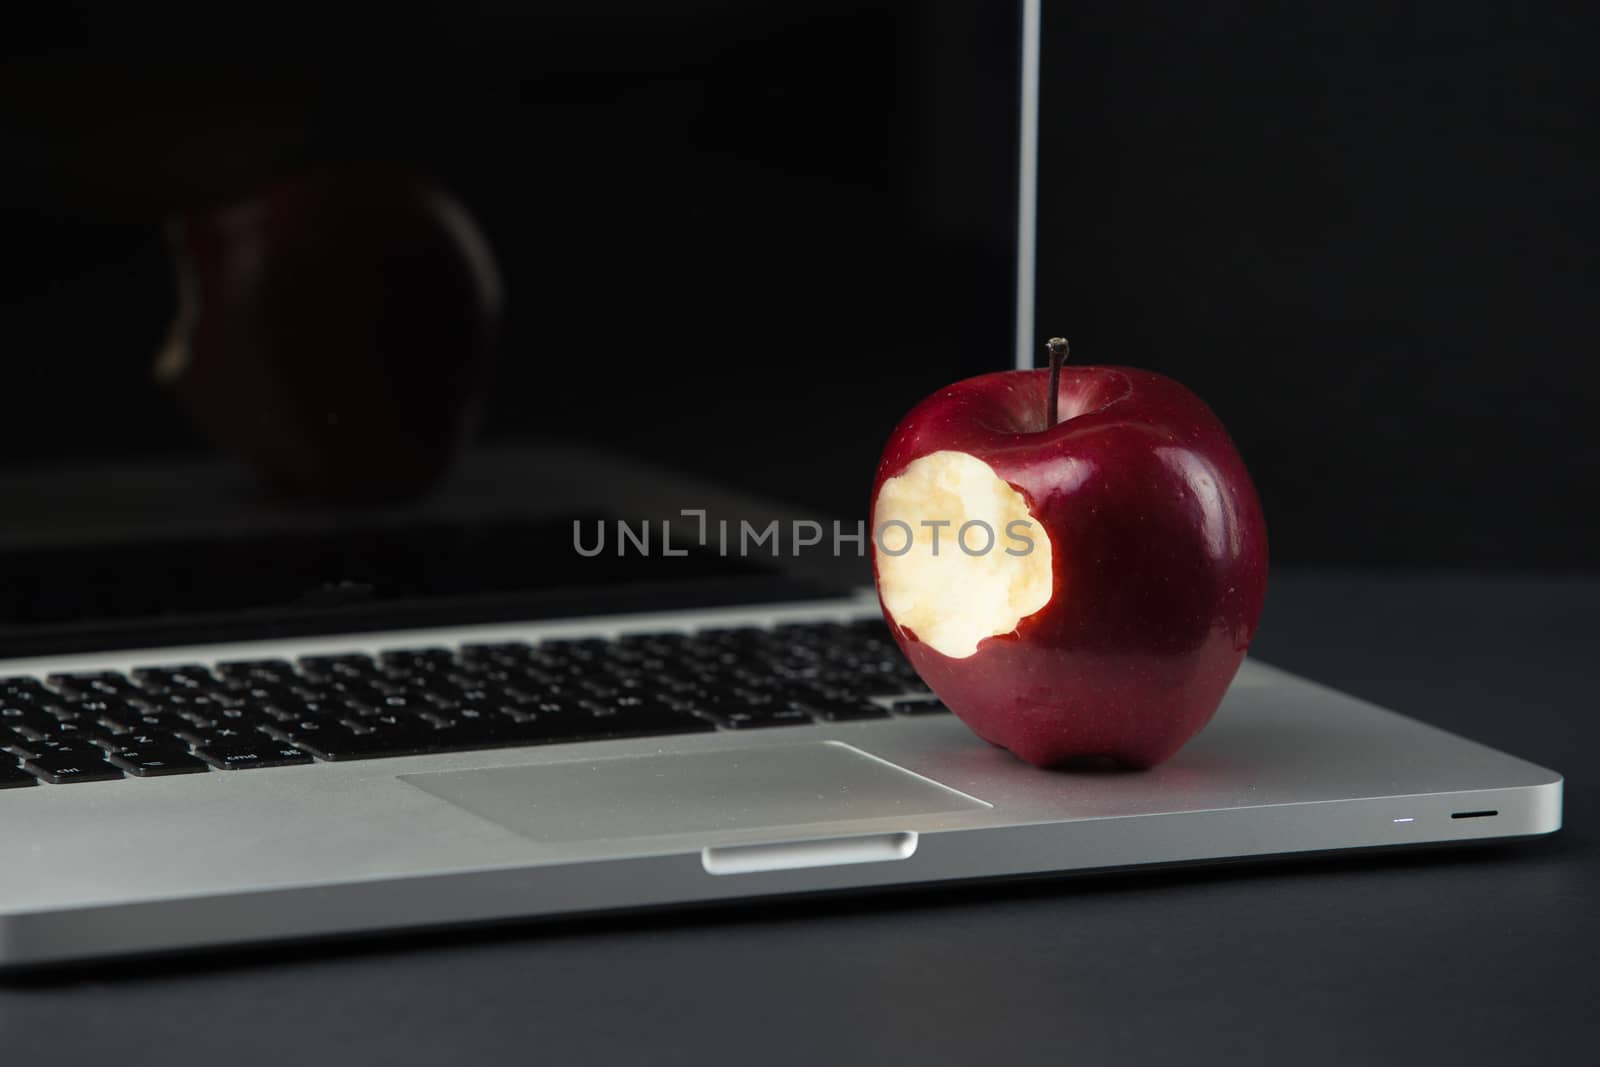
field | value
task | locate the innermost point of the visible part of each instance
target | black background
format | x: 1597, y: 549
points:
x: 1366, y: 234
x: 1363, y: 232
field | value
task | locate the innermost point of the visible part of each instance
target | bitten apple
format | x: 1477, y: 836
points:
x: 1112, y: 567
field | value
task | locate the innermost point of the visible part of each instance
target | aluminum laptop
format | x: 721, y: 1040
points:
x: 232, y: 719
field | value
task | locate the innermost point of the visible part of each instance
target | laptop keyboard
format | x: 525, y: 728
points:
x: 242, y: 715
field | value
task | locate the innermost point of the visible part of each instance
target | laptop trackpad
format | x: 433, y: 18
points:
x: 693, y: 792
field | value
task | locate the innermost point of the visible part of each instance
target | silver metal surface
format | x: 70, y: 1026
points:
x: 229, y: 857
x: 1027, y: 345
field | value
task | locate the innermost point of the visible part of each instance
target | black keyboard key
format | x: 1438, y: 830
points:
x: 308, y: 710
x: 468, y: 714
x: 141, y: 742
x: 16, y: 682
x: 353, y: 690
x: 621, y: 698
x: 63, y: 768
x: 89, y: 708
x: 21, y: 689
x: 94, y: 683
x: 221, y: 737
x: 264, y: 671
x: 653, y: 639
x: 65, y: 679
x: 731, y: 636
x: 88, y: 727
x: 759, y: 681
x: 488, y: 672
x: 502, y: 733
x: 425, y: 683
x: 473, y: 695
x: 392, y: 720
x: 349, y: 663
x: 36, y: 720
x: 12, y: 777
x: 582, y: 646
x: 187, y: 676
x: 758, y: 718
x: 418, y: 660
x: 504, y: 652
x: 738, y: 698
x: 302, y: 731
x: 182, y: 700
x: 849, y: 711
x: 255, y: 694
x: 264, y: 753
x: 242, y: 717
x: 598, y: 689
x: 158, y: 763
x: 529, y: 710
x: 920, y: 705
x: 138, y: 720
x: 33, y: 747
x: 342, y: 743
x: 13, y: 742
x: 578, y: 726
x: 67, y: 730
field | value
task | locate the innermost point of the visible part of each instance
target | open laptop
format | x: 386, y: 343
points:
x: 230, y: 718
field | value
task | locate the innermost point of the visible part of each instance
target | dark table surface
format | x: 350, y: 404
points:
x: 1486, y: 955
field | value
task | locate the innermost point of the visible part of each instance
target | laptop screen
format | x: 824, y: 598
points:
x: 296, y: 318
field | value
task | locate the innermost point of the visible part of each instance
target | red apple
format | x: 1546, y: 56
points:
x: 334, y: 329
x: 1116, y: 635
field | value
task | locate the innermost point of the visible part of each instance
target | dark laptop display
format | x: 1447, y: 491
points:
x: 737, y: 240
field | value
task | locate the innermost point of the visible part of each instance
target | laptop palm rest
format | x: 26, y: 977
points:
x: 627, y: 798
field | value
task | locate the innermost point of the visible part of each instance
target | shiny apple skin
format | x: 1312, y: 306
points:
x: 1159, y: 562
x: 340, y: 326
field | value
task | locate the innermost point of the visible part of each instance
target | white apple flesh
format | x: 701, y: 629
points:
x: 960, y: 557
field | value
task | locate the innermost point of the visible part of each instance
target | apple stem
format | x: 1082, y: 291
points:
x: 1059, y: 350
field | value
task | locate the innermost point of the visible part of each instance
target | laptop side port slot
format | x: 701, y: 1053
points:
x: 1474, y: 814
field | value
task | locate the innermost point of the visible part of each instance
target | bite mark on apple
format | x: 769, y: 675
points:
x: 955, y: 584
